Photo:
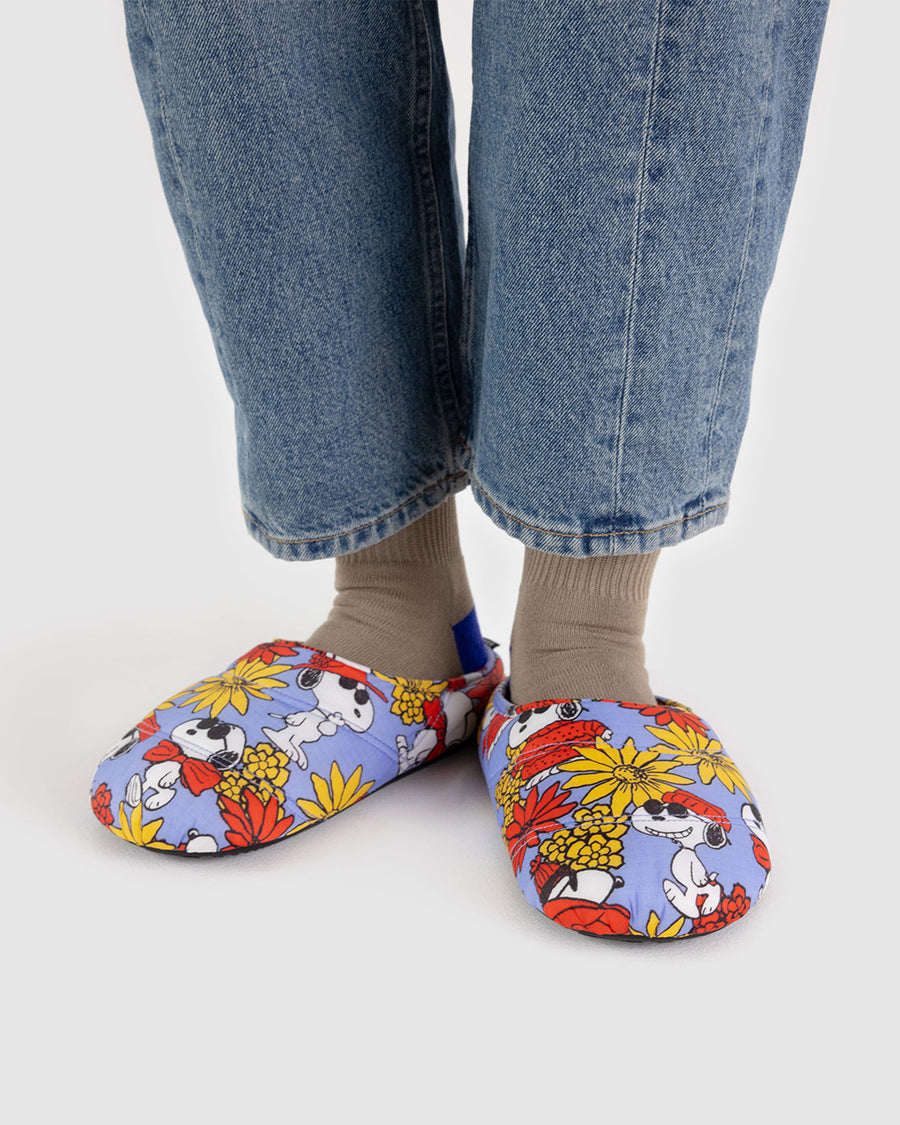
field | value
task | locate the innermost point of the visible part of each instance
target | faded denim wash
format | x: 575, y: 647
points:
x: 584, y: 361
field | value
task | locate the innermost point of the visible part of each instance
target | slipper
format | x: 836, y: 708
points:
x: 285, y: 737
x: 623, y: 820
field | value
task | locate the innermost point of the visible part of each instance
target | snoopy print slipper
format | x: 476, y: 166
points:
x: 623, y: 820
x: 285, y: 737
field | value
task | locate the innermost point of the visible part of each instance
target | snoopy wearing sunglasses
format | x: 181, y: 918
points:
x: 688, y: 822
x: 343, y: 699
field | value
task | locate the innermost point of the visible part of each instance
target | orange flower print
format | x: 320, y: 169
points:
x: 672, y: 715
x: 730, y: 908
x: 537, y: 814
x: 254, y: 822
x: 268, y: 654
x: 589, y: 917
x: 100, y: 801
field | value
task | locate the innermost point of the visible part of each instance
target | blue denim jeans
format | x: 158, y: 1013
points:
x: 584, y: 359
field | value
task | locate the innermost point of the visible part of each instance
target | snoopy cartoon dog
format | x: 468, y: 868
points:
x: 342, y: 697
x: 195, y: 753
x: 688, y: 822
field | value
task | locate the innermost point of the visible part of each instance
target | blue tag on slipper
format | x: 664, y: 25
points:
x: 470, y: 643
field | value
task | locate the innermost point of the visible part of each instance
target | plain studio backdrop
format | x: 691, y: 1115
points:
x: 387, y: 966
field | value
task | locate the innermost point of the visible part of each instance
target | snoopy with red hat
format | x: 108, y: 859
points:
x: 688, y: 821
x: 342, y: 693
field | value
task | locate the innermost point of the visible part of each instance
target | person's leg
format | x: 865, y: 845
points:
x: 630, y: 169
x: 306, y: 151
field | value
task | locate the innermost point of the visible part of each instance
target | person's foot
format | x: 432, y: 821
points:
x: 578, y: 628
x: 403, y: 603
x: 285, y: 737
x: 622, y: 820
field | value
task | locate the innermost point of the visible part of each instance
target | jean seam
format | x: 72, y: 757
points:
x: 639, y: 212
x: 358, y: 527
x: 765, y: 118
x: 434, y: 238
x: 179, y: 175
x: 596, y: 534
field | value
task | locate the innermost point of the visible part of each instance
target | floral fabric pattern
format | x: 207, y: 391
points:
x: 623, y: 820
x: 285, y: 737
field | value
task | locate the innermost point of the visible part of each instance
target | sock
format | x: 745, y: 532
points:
x: 577, y: 632
x: 398, y: 600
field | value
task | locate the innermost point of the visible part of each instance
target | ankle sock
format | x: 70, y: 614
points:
x: 578, y: 628
x: 398, y: 600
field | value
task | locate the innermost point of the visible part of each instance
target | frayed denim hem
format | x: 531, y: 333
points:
x: 363, y: 535
x: 695, y: 518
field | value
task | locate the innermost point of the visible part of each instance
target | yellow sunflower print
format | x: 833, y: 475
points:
x: 339, y: 795
x: 133, y: 829
x: 625, y: 776
x: 692, y: 749
x: 246, y: 678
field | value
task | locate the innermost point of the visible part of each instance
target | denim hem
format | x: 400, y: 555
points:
x: 362, y: 535
x: 694, y: 518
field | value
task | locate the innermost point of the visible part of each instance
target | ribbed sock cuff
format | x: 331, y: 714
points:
x: 623, y: 577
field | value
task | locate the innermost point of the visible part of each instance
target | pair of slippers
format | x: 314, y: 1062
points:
x: 621, y: 820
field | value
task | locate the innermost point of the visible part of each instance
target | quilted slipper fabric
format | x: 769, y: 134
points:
x: 623, y: 820
x: 285, y: 737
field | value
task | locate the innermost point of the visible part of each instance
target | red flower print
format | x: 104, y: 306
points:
x: 255, y: 824
x: 538, y: 814
x: 436, y: 720
x: 100, y: 801
x: 761, y: 852
x: 588, y: 917
x: 666, y: 716
x: 267, y: 654
x: 730, y: 908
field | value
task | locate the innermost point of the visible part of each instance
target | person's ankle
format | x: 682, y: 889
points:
x: 578, y: 628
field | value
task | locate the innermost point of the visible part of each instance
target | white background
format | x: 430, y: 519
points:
x: 387, y: 967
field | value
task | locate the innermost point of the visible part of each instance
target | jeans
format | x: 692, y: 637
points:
x: 584, y: 359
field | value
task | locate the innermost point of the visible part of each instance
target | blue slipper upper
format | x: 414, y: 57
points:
x: 284, y: 737
x: 623, y: 820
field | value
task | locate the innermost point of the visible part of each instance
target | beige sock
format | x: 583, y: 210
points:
x: 398, y: 600
x: 577, y: 632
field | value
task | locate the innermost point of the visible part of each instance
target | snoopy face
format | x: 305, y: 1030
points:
x: 340, y: 695
x: 211, y: 740
x: 532, y: 719
x: 677, y: 823
x: 750, y: 816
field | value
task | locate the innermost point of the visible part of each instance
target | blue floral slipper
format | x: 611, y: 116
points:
x: 285, y: 737
x: 623, y: 820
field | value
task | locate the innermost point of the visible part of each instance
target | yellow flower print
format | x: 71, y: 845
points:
x: 592, y: 843
x: 264, y: 763
x: 410, y: 697
x: 248, y: 677
x: 339, y: 796
x: 694, y: 749
x: 232, y: 785
x: 135, y: 831
x: 625, y: 775
x: 654, y: 931
x: 263, y: 769
x: 506, y: 794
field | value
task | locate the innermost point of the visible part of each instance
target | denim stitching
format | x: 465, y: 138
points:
x: 359, y: 527
x: 765, y: 118
x: 434, y: 240
x: 596, y: 534
x: 639, y: 211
